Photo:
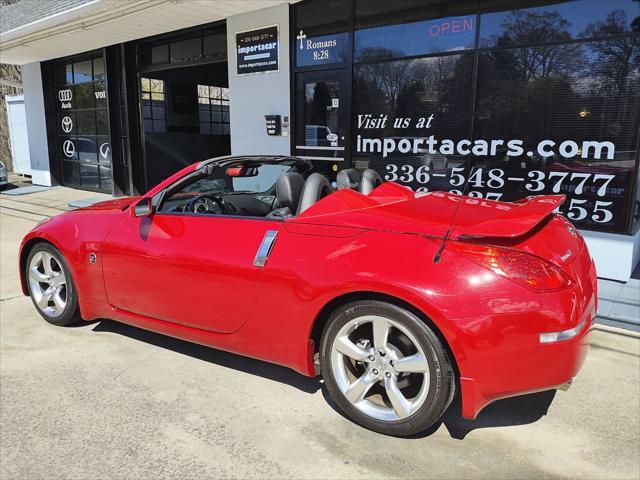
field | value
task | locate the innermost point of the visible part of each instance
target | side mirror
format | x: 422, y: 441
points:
x: 143, y: 208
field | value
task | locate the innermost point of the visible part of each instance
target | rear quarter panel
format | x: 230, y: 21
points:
x: 310, y: 266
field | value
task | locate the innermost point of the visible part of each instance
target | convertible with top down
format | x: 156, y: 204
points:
x: 398, y: 299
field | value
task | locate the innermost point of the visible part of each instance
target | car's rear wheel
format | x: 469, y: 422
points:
x: 51, y: 286
x: 385, y: 368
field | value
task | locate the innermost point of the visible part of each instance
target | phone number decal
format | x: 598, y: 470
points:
x: 492, y: 183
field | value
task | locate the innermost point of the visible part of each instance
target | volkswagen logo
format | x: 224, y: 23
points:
x: 68, y: 148
x: 67, y: 124
x: 65, y: 95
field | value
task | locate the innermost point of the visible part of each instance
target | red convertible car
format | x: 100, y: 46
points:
x: 399, y: 300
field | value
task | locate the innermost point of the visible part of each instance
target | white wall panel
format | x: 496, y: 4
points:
x: 34, y: 109
x: 252, y: 96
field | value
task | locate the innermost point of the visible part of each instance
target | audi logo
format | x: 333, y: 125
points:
x: 65, y: 95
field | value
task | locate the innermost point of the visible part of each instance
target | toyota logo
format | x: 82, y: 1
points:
x: 67, y: 124
x: 68, y: 148
x: 65, y: 95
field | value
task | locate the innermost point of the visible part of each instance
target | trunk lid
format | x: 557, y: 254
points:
x: 394, y: 208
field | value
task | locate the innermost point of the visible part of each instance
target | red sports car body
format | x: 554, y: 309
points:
x: 509, y: 289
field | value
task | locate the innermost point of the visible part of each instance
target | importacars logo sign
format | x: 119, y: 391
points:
x: 257, y: 50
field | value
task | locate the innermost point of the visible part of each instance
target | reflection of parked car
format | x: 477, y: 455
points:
x: 4, y: 177
x: 316, y: 135
x: 87, y: 149
x: 362, y: 285
x: 320, y: 136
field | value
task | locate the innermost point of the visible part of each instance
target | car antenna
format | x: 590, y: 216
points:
x: 436, y: 259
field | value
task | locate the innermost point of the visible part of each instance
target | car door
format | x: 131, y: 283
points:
x: 189, y: 269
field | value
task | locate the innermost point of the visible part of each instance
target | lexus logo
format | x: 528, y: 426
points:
x: 65, y: 95
x: 67, y: 124
x: 68, y: 148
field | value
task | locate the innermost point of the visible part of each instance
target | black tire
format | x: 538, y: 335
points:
x: 441, y: 375
x: 71, y: 312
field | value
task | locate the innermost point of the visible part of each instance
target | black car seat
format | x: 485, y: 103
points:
x: 370, y: 180
x: 316, y: 187
x: 288, y: 190
x: 349, y: 178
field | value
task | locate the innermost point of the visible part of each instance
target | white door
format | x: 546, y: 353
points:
x: 18, y: 134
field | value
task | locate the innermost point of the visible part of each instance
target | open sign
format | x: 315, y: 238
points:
x: 451, y: 27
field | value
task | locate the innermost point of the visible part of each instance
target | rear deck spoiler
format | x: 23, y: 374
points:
x: 523, y: 216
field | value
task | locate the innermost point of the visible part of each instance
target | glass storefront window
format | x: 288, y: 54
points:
x: 68, y: 77
x: 82, y: 71
x: 416, y: 38
x: 213, y: 110
x: 560, y: 22
x: 545, y: 101
x: 186, y: 50
x: 321, y: 33
x: 215, y: 42
x: 575, y: 110
x: 396, y: 29
x: 405, y: 101
x: 82, y: 123
x: 160, y: 54
x: 98, y: 69
x: 153, y: 104
x: 205, y: 44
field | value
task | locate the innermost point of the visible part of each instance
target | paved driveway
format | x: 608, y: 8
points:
x: 105, y: 400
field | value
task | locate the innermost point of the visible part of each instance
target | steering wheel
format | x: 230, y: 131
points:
x: 207, y: 203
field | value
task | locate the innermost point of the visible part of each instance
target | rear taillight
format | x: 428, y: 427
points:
x: 522, y: 268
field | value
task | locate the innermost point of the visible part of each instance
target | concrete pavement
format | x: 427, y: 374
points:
x: 105, y: 400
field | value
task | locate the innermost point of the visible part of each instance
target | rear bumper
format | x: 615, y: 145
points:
x: 539, y: 368
x: 518, y: 362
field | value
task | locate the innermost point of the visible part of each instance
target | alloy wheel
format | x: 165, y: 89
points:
x: 48, y: 284
x: 380, y: 368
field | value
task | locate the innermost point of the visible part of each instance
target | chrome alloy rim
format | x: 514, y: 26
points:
x: 48, y: 284
x: 380, y: 368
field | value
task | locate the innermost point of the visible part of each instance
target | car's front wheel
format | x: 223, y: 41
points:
x: 51, y: 286
x: 385, y: 368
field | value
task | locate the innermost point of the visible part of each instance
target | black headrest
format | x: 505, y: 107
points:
x: 316, y: 187
x: 349, y: 178
x: 370, y: 180
x: 288, y: 189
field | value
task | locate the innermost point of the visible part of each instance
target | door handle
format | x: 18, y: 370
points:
x: 265, y: 248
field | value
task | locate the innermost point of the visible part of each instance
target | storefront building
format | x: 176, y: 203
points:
x: 497, y: 100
